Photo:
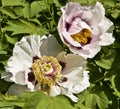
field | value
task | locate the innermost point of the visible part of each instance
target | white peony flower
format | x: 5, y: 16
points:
x: 84, y: 29
x: 39, y: 63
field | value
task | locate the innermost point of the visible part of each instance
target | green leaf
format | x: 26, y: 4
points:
x: 37, y: 6
x: 39, y: 100
x: 81, y: 106
x: 32, y: 99
x: 107, y: 60
x: 12, y: 3
x: 116, y: 13
x: 26, y: 10
x: 10, y: 101
x: 59, y: 102
x: 11, y: 40
x: 80, y: 1
x: 109, y: 2
x: 115, y: 69
x: 56, y: 2
x: 115, y: 80
x: 9, y: 12
x: 21, y: 27
x: 97, y: 99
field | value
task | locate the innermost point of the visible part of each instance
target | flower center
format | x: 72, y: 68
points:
x: 83, y: 36
x: 47, y: 71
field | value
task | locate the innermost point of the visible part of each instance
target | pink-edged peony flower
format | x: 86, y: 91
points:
x: 84, y: 29
x: 39, y: 63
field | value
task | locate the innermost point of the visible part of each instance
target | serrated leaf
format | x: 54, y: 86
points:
x: 115, y: 80
x: 109, y: 2
x: 116, y: 13
x: 107, y: 60
x: 21, y: 27
x: 12, y: 3
x: 18, y: 11
x: 11, y: 40
x: 115, y: 66
x: 97, y: 99
x: 10, y: 101
x: 81, y: 106
x: 59, y: 102
x: 26, y: 10
x: 39, y: 100
x: 32, y: 99
x: 9, y: 12
x: 56, y: 2
x: 37, y: 6
x: 80, y: 1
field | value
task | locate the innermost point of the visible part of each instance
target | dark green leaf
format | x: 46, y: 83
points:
x: 97, y: 99
x: 116, y: 84
x: 107, y: 60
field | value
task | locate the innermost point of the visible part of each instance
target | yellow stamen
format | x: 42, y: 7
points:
x: 82, y: 36
x: 44, y: 66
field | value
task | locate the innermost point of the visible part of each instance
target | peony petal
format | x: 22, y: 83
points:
x: 71, y: 96
x: 105, y: 24
x: 83, y: 84
x: 98, y: 13
x: 71, y: 61
x: 77, y: 25
x: 106, y: 39
x: 77, y: 81
x: 51, y: 46
x: 55, y: 90
x: 69, y: 40
x: 6, y: 76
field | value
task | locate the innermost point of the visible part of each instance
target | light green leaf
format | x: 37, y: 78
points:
x: 32, y: 99
x: 56, y: 2
x: 10, y: 101
x: 9, y: 12
x: 11, y: 40
x: 39, y: 100
x: 97, y: 99
x: 80, y: 1
x: 26, y: 10
x: 12, y: 3
x: 21, y: 27
x: 107, y: 60
x: 59, y: 102
x: 109, y: 2
x: 37, y: 6
x: 116, y: 13
x: 81, y: 106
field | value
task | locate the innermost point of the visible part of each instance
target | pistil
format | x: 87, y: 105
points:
x: 46, y: 70
x: 82, y: 36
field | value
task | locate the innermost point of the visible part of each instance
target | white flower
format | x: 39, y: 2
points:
x: 39, y: 63
x: 84, y: 29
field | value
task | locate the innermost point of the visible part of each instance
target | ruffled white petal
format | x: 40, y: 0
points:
x: 106, y: 39
x: 55, y: 90
x: 20, y: 63
x: 77, y: 81
x: 71, y: 61
x: 50, y: 46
